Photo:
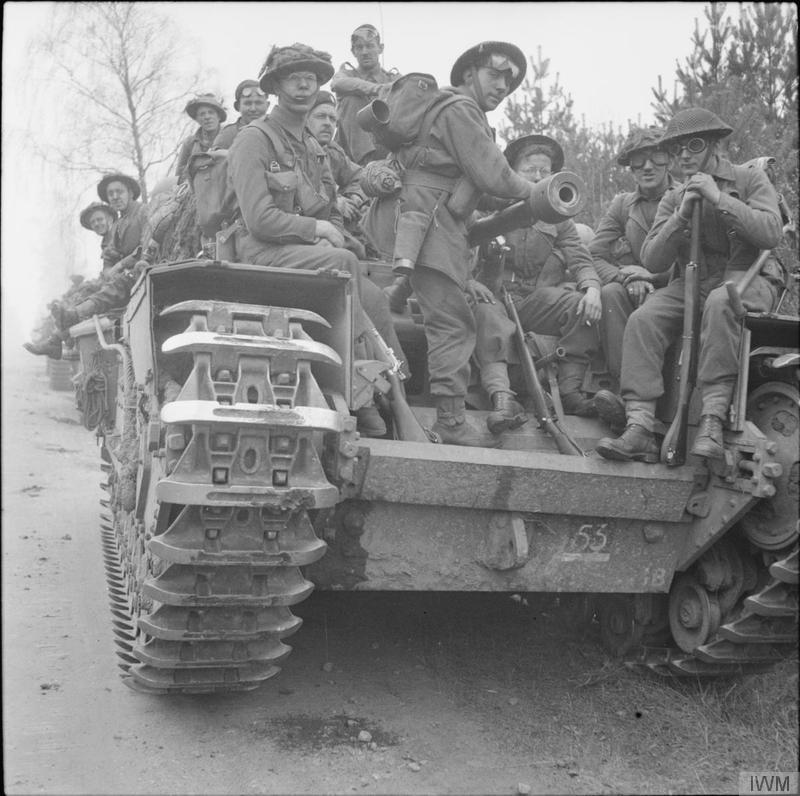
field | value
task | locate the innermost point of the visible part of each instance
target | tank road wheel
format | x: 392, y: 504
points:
x: 775, y: 408
x: 627, y: 621
x: 201, y: 596
x: 694, y: 613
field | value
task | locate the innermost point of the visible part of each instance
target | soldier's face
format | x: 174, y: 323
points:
x: 253, y: 104
x: 322, y: 123
x: 297, y: 90
x: 207, y: 118
x: 99, y: 221
x: 367, y: 49
x: 489, y: 86
x: 534, y: 167
x: 689, y: 154
x: 118, y: 196
x: 649, y: 168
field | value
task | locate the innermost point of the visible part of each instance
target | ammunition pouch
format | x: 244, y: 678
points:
x: 283, y: 187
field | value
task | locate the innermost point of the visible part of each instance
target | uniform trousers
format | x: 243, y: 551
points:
x: 548, y: 310
x: 654, y: 326
x: 449, y: 330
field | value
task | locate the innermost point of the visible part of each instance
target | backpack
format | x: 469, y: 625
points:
x: 395, y: 119
x: 208, y: 177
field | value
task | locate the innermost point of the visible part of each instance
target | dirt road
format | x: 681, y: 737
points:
x: 384, y: 694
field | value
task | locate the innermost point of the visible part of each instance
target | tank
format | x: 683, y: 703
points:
x: 237, y: 483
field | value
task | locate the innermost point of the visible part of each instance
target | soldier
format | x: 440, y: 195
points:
x: 122, y: 193
x: 98, y: 217
x: 208, y: 112
x: 252, y: 104
x: 740, y: 215
x: 287, y: 197
x: 556, y: 290
x: 321, y: 123
x: 355, y: 87
x: 616, y: 249
x: 450, y: 169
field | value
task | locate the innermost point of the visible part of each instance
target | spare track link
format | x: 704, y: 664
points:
x: 208, y: 607
x: 764, y: 632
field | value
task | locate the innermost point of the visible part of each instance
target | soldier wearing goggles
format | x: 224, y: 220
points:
x: 739, y: 217
x: 617, y: 252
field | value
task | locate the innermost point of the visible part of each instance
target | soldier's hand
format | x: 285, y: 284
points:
x: 704, y: 185
x: 639, y: 290
x: 478, y: 292
x: 324, y: 230
x: 590, y: 308
x: 348, y: 208
x: 634, y: 272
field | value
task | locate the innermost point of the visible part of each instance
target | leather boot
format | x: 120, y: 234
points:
x: 452, y: 426
x: 506, y: 413
x: 64, y: 316
x: 636, y: 444
x: 576, y: 403
x: 47, y: 348
x: 611, y: 409
x: 708, y: 442
x: 398, y: 293
x: 369, y: 421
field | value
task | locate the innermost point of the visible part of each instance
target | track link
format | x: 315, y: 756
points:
x: 201, y: 601
x: 763, y: 632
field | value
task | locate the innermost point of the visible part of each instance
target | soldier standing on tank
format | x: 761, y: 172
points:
x: 321, y: 122
x: 616, y: 249
x: 549, y: 273
x: 287, y: 196
x: 457, y: 163
x: 209, y: 114
x: 740, y: 216
x: 355, y: 87
x: 252, y: 104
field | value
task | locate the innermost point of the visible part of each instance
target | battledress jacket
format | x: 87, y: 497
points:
x: 126, y: 234
x: 226, y: 135
x: 354, y: 91
x: 346, y: 173
x: 546, y: 255
x: 268, y: 189
x: 746, y: 220
x: 191, y: 145
x: 458, y: 162
x: 621, y: 232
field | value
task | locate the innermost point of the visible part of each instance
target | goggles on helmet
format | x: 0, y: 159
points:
x: 695, y: 146
x: 252, y: 91
x: 658, y: 157
x: 502, y: 63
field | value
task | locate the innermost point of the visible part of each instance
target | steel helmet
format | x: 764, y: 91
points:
x: 694, y: 121
x: 295, y: 58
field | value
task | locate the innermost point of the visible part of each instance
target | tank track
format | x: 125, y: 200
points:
x: 200, y: 600
x: 761, y: 632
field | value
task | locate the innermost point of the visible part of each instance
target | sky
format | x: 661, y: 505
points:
x: 607, y: 55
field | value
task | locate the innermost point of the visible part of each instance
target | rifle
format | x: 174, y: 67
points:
x: 673, y: 449
x: 564, y: 442
x: 405, y: 422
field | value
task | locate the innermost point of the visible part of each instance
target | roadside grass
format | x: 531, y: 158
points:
x: 627, y: 729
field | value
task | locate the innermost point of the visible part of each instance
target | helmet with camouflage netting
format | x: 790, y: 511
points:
x: 695, y: 121
x: 639, y: 138
x: 295, y: 58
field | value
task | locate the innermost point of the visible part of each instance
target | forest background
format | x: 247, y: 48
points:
x: 126, y: 69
